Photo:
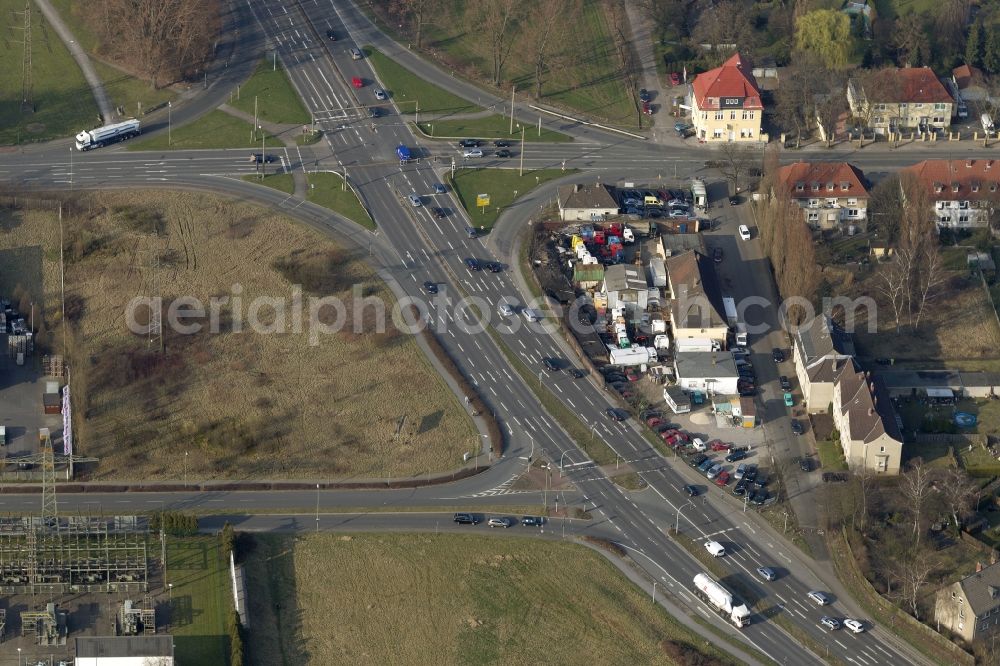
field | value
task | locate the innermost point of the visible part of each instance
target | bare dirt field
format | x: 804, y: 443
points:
x: 237, y: 404
x: 449, y: 599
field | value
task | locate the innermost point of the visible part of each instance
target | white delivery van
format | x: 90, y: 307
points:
x: 987, y: 122
x: 715, y: 548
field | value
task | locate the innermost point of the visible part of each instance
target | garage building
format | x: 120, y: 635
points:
x: 711, y: 372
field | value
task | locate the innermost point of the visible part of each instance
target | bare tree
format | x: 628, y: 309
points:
x: 913, y: 572
x: 417, y: 12
x: 545, y: 34
x: 497, y: 20
x: 885, y: 208
x: 892, y: 282
x: 952, y: 18
x: 163, y: 39
x: 929, y: 278
x: 915, y: 486
x: 736, y: 160
x: 831, y: 103
x: 724, y: 27
x: 865, y: 481
x: 957, y: 490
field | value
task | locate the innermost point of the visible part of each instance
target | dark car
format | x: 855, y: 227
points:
x: 717, y: 255
x: 797, y: 428
x: 500, y: 143
x: 751, y: 473
x: 644, y: 95
x: 616, y: 378
x: 532, y: 521
x: 430, y: 287
x: 550, y: 364
x: 806, y: 464
x: 759, y: 497
x: 692, y: 491
x: 698, y: 459
x: 473, y: 264
x: 615, y: 414
x: 469, y: 143
x: 466, y: 519
x: 503, y: 153
x: 740, y: 488
x: 785, y: 384
x: 577, y: 373
x: 439, y: 213
x: 736, y: 455
x: 777, y: 355
x: 257, y: 158
x: 375, y: 112
x: 494, y: 266
x: 735, y: 201
x: 331, y: 35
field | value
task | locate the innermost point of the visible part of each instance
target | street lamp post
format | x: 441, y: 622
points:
x: 677, y: 521
x: 654, y: 591
x: 561, y: 460
x: 185, y: 468
x: 169, y: 106
x: 317, y: 507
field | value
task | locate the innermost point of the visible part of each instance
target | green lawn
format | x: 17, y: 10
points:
x: 406, y: 88
x: 215, y: 129
x: 135, y: 95
x: 200, y: 600
x: 326, y: 189
x: 282, y: 182
x: 63, y: 104
x: 452, y: 599
x: 277, y: 101
x: 503, y: 186
x: 491, y: 127
x: 955, y: 258
x: 831, y: 456
x: 71, y: 12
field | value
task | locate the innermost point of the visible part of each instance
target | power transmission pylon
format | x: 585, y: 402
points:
x: 27, y: 83
x: 50, y: 510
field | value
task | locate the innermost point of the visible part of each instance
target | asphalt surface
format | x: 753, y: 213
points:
x: 412, y: 247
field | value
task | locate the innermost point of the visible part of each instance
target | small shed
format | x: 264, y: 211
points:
x: 52, y: 403
x: 745, y: 408
x: 588, y: 276
x: 676, y: 399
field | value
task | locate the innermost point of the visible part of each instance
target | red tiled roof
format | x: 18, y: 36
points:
x: 823, y: 173
x: 733, y: 79
x: 945, y: 175
x: 963, y: 76
x: 918, y: 85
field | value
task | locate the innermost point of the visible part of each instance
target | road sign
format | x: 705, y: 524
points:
x: 483, y: 200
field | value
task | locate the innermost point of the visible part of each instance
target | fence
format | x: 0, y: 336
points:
x: 236, y: 575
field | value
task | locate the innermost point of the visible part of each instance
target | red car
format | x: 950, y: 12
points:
x: 716, y: 445
x: 357, y: 83
x: 722, y: 479
x: 647, y: 109
x: 675, y: 79
x: 667, y: 434
x: 653, y: 421
x: 631, y: 375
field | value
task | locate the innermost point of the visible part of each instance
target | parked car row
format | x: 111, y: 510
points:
x: 464, y: 518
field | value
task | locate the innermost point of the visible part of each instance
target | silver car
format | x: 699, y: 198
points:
x: 415, y: 200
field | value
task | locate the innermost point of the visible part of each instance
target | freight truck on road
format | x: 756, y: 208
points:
x: 403, y: 153
x: 722, y: 600
x: 102, y: 136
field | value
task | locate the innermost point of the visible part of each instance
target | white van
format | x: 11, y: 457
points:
x: 698, y: 444
x: 715, y: 548
x: 987, y: 122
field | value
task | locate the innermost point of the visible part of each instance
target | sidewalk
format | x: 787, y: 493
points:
x: 104, y: 106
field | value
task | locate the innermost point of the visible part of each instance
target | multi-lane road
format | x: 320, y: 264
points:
x: 411, y: 248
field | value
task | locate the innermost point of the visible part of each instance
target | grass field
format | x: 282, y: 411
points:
x: 831, y: 456
x: 491, y: 127
x: 447, y: 599
x: 503, y: 185
x: 282, y: 182
x: 63, y: 104
x: 277, y: 101
x: 123, y: 89
x: 938, y: 340
x: 326, y: 189
x: 584, y: 76
x: 406, y: 88
x: 215, y: 129
x: 200, y: 600
x: 241, y: 404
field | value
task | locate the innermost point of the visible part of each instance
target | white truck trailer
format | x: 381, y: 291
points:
x: 630, y: 356
x: 102, y: 136
x: 722, y: 600
x: 729, y: 304
x: 699, y: 194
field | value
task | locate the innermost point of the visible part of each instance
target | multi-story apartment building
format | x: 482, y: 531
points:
x: 964, y: 193
x: 726, y: 103
x: 831, y: 194
x: 904, y: 98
